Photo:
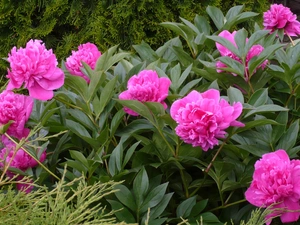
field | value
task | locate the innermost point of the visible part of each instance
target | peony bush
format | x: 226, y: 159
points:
x: 203, y: 130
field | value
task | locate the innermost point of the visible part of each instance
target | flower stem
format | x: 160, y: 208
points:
x: 215, y: 156
x: 184, y: 183
x: 228, y: 205
x: 293, y: 43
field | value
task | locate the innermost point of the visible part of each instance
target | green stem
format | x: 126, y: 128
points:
x: 228, y: 205
x: 293, y: 43
x: 291, y: 95
x: 184, y: 184
x: 215, y: 156
x: 165, y: 140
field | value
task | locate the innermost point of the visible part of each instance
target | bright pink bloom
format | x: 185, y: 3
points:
x: 18, y: 108
x: 255, y: 50
x: 146, y: 87
x: 281, y: 17
x: 36, y: 67
x: 276, y: 180
x: 87, y: 53
x: 203, y: 118
x: 20, y: 160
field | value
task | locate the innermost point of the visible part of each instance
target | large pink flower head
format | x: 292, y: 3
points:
x: 146, y: 87
x: 281, y: 17
x: 87, y: 53
x: 202, y: 118
x: 276, y: 182
x: 36, y: 67
x: 255, y: 50
x: 18, y: 108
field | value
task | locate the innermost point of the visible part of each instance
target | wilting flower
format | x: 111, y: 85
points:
x: 18, y: 108
x: 281, y: 17
x: 276, y: 183
x: 18, y: 159
x: 255, y: 50
x: 87, y: 53
x: 36, y: 67
x: 202, y: 118
x: 146, y: 87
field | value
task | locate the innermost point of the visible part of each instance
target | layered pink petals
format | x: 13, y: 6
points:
x: 255, y: 50
x: 281, y: 17
x: 87, y: 53
x: 202, y: 118
x: 18, y: 108
x: 146, y: 87
x: 36, y: 68
x: 18, y: 159
x: 276, y: 182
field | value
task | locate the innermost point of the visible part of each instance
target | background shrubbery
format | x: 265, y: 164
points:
x: 63, y: 25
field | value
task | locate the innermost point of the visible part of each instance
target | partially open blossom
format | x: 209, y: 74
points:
x: 276, y: 182
x: 87, y: 53
x: 255, y: 50
x: 146, y: 87
x: 18, y: 108
x: 36, y: 67
x: 202, y: 118
x: 18, y: 159
x: 281, y: 17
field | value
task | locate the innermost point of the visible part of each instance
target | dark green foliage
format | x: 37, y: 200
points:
x: 63, y: 25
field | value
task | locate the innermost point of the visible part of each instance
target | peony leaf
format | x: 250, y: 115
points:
x: 216, y: 15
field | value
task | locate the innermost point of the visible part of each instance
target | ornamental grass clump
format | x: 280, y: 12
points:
x: 202, y: 130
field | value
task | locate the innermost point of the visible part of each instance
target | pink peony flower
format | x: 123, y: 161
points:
x: 36, y: 67
x: 203, y: 118
x: 276, y: 180
x: 255, y: 50
x: 20, y: 159
x: 146, y: 87
x: 18, y: 108
x: 87, y: 53
x: 281, y: 17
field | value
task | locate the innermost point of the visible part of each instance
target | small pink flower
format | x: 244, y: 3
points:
x: 36, y: 67
x: 281, y: 17
x: 202, y: 118
x: 18, y: 108
x: 276, y: 180
x: 87, y: 53
x: 255, y: 50
x: 146, y: 87
x: 20, y: 159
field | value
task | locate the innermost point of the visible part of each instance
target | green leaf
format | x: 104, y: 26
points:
x: 216, y: 15
x: 107, y: 93
x: 4, y: 127
x: 184, y: 208
x: 116, y: 120
x: 115, y: 159
x: 154, y: 197
x: 226, y: 43
x: 240, y: 40
x: 140, y: 187
x: 138, y: 107
x: 234, y: 11
x: 159, y: 209
x: 277, y: 131
x: 259, y: 98
x: 256, y: 37
x: 198, y: 208
x: 146, y: 52
x: 82, y: 118
x: 186, y: 88
x: 129, y: 153
x: 235, y: 95
x: 107, y: 59
x: 265, y: 108
x: 79, y: 157
x: 254, y: 149
x: 256, y: 123
x: 289, y: 138
x: 77, y: 84
x: 125, y: 196
x: 184, y: 58
x: 202, y: 24
x: 210, y: 218
x: 121, y: 212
